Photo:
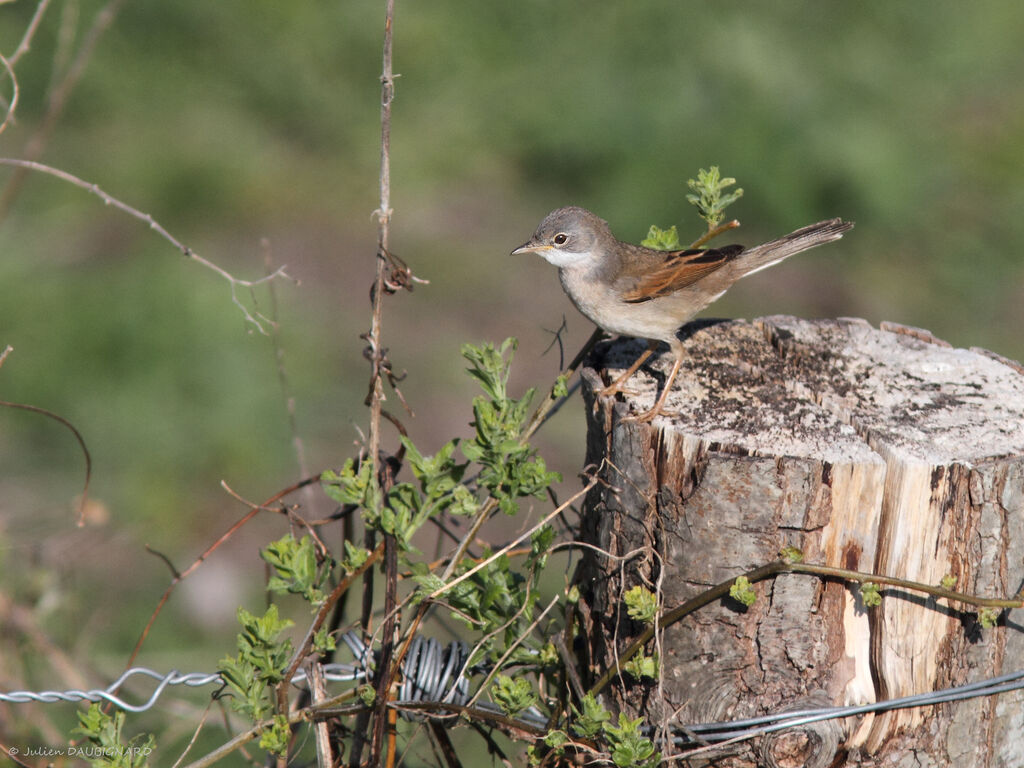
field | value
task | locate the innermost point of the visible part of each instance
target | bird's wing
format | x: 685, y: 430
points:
x: 678, y: 270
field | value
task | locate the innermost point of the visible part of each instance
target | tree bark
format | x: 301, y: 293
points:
x: 882, y: 450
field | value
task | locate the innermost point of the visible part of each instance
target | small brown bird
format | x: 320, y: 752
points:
x: 647, y: 293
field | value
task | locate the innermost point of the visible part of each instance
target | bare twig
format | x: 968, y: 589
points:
x: 30, y: 32
x: 515, y: 542
x: 255, y: 319
x: 308, y: 494
x: 78, y: 436
x: 542, y: 412
x: 13, y: 103
x: 195, y: 735
x: 59, y: 97
x: 178, y: 577
x: 383, y: 235
x: 713, y: 233
x: 321, y: 730
x: 376, y: 394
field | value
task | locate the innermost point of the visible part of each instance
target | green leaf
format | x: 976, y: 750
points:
x: 629, y: 747
x: 296, y: 568
x: 349, y: 486
x: 367, y: 694
x: 641, y: 604
x: 540, y: 547
x: 275, y: 739
x: 489, y: 367
x: 590, y: 720
x: 662, y: 239
x: 870, y: 594
x: 742, y: 592
x: 988, y: 617
x: 710, y: 197
x: 557, y: 741
x: 429, y: 582
x: 513, y: 695
x: 548, y: 655
x: 792, y: 555
x: 261, y: 662
x: 641, y: 666
x: 404, y: 512
x: 561, y: 386
x: 462, y: 502
x: 948, y: 581
x: 323, y: 641
x: 437, y: 474
x: 103, y: 731
x: 354, y: 557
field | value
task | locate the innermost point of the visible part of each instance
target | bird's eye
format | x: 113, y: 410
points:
x: 560, y: 239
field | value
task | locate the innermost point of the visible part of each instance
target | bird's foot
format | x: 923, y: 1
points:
x: 646, y: 417
x: 614, y: 389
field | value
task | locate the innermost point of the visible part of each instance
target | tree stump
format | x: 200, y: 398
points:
x: 882, y: 450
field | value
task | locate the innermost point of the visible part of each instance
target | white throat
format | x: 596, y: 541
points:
x: 565, y: 258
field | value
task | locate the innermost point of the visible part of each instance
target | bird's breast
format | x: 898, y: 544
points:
x: 600, y: 301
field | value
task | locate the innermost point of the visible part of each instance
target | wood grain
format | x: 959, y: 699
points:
x: 882, y: 450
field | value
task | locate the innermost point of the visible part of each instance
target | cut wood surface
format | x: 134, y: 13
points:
x: 873, y: 449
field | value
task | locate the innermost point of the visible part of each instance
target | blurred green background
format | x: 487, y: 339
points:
x: 235, y: 123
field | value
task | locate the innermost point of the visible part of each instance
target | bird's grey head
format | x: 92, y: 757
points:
x: 567, y: 236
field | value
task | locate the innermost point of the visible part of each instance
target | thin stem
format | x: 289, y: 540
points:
x: 377, y: 359
x: 713, y: 233
x: 383, y: 235
x: 539, y: 416
x: 786, y: 566
x: 59, y: 97
x: 255, y: 319
x: 30, y: 32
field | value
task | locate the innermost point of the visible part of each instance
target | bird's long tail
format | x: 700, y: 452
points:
x: 764, y: 256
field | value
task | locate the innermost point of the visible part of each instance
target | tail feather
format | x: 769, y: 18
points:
x: 768, y: 254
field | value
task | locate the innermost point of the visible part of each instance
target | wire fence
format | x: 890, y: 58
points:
x: 430, y: 676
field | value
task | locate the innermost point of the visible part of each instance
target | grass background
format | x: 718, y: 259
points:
x: 235, y: 123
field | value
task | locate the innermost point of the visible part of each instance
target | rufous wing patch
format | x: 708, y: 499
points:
x: 680, y: 269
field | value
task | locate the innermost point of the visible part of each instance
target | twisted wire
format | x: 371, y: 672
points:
x: 431, y: 673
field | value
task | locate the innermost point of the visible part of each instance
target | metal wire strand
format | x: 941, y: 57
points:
x: 429, y: 675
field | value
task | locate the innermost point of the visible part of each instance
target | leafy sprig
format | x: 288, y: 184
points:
x: 710, y: 196
x: 109, y: 749
x: 711, y: 199
x: 260, y: 663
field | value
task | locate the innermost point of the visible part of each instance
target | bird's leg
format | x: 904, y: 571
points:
x: 616, y: 386
x: 678, y: 352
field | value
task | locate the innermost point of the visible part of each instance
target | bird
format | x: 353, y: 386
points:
x: 647, y: 293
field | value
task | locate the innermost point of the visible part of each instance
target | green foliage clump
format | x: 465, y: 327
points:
x: 662, y: 239
x: 641, y: 665
x: 870, y: 594
x: 296, y: 568
x: 513, y: 694
x: 107, y: 748
x: 510, y: 467
x: 629, y: 747
x: 711, y: 199
x: 641, y: 604
x: 710, y: 196
x: 742, y: 591
x: 590, y: 719
x: 260, y: 663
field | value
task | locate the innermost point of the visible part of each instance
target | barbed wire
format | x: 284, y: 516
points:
x: 429, y: 678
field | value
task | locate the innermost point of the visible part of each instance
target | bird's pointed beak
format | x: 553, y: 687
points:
x: 530, y: 246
